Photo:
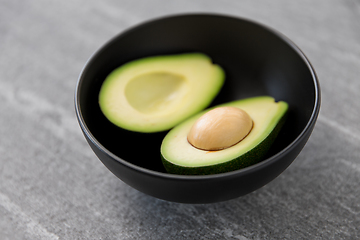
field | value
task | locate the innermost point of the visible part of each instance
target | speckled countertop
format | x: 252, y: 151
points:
x: 52, y: 186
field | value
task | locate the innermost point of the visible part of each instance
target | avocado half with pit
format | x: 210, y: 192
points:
x: 156, y: 93
x: 181, y: 157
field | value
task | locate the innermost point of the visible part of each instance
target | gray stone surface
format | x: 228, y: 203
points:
x: 53, y: 187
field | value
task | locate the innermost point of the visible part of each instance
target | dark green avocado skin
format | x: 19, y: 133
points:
x: 252, y: 157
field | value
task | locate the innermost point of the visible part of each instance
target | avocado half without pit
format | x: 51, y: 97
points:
x: 154, y: 94
x: 227, y: 137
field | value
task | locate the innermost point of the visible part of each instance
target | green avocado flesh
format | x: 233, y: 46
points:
x: 180, y: 157
x: 154, y: 94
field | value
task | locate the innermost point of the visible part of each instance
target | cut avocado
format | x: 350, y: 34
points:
x: 180, y: 157
x: 154, y: 94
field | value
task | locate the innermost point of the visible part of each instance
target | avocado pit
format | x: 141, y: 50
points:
x: 220, y: 128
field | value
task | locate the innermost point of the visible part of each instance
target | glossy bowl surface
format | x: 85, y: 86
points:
x: 257, y: 60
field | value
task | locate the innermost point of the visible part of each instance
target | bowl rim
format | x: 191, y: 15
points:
x: 244, y: 171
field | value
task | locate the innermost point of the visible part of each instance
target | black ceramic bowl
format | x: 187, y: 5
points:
x: 257, y: 61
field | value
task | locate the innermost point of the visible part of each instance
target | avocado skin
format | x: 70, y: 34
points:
x: 252, y: 157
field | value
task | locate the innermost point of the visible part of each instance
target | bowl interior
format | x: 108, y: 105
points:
x: 257, y: 61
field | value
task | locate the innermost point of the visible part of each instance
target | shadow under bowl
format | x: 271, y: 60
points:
x: 257, y: 61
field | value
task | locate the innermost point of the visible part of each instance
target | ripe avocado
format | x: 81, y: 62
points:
x: 180, y: 157
x: 156, y: 93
